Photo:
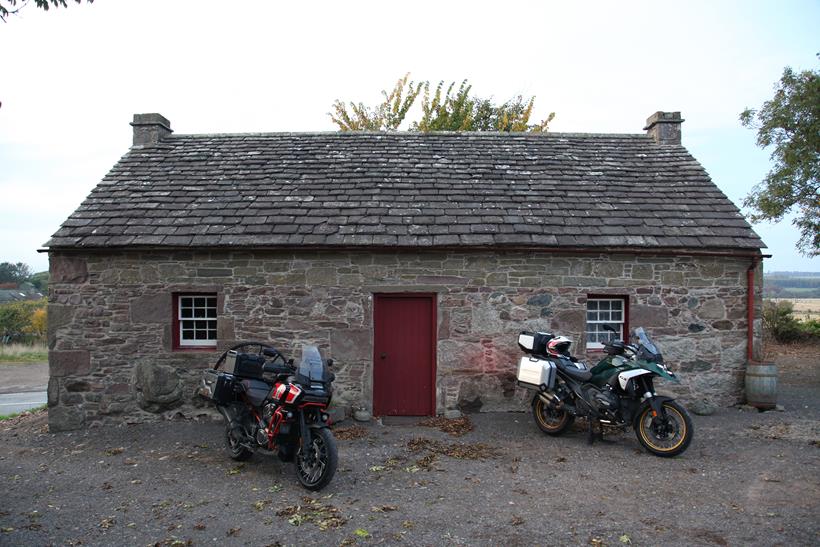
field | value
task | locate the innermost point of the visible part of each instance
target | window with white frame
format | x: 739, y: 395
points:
x: 196, y: 320
x: 604, y: 311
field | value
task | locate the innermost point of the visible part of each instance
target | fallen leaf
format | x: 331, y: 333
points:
x: 260, y: 505
x: 199, y: 526
x: 114, y: 451
x: 625, y: 539
x: 377, y: 468
x: 383, y: 508
x: 236, y: 470
x: 516, y: 520
x: 407, y: 524
x: 362, y: 533
x: 7, y: 530
x: 234, y: 531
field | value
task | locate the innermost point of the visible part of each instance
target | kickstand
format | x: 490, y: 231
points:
x: 590, y: 431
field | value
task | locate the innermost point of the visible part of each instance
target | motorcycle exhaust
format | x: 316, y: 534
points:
x: 550, y: 398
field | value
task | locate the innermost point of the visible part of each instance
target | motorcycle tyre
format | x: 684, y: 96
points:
x: 644, y: 436
x: 564, y: 418
x: 330, y: 465
x: 235, y: 451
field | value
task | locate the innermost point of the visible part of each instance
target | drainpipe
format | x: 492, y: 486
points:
x: 750, y: 307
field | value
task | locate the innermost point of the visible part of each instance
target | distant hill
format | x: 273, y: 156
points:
x: 791, y: 285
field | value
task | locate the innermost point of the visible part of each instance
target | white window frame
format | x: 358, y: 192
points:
x: 598, y: 312
x: 209, y: 307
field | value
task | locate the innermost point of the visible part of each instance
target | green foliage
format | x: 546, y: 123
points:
x: 442, y: 109
x: 23, y: 321
x: 451, y: 112
x: 40, y: 281
x: 780, y: 323
x: 386, y: 116
x: 11, y: 7
x: 14, y: 273
x: 790, y: 122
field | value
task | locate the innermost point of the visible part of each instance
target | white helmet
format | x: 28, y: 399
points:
x: 559, y: 346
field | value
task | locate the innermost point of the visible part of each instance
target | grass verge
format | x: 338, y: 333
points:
x: 22, y: 353
x: 15, y: 414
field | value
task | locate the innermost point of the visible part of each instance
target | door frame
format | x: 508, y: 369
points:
x: 433, y: 297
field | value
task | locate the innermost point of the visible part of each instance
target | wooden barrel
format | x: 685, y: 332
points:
x: 761, y: 385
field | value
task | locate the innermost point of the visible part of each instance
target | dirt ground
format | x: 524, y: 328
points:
x: 748, y: 478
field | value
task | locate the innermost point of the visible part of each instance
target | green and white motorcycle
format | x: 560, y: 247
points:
x: 617, y: 392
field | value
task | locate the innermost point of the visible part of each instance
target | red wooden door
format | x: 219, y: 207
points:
x: 404, y: 355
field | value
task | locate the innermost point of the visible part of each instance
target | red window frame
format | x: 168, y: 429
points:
x: 177, y: 343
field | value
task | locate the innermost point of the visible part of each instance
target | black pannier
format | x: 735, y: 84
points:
x: 224, y: 392
x: 246, y: 365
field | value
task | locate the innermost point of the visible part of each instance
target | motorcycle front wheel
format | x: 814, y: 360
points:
x: 549, y: 419
x: 667, y: 435
x: 317, y: 465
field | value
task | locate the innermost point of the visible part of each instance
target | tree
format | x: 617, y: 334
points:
x: 790, y: 122
x: 11, y: 7
x: 14, y: 273
x: 453, y: 109
x: 386, y: 116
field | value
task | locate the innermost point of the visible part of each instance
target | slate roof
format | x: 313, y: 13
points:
x: 407, y: 189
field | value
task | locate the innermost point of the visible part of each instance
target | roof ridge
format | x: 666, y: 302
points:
x: 413, y: 133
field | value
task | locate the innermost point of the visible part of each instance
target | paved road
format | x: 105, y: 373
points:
x: 12, y: 403
x: 22, y: 386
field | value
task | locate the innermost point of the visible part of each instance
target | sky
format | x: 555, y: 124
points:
x: 71, y: 80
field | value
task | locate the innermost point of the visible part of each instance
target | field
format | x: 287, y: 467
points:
x: 804, y: 308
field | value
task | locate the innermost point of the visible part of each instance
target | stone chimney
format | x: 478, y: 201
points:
x: 150, y: 128
x: 664, y: 127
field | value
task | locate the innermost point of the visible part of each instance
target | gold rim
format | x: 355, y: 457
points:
x: 539, y: 415
x: 681, y: 428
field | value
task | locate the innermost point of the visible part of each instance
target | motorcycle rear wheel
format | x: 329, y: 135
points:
x: 665, y: 436
x: 234, y: 447
x: 316, y: 469
x: 549, y: 419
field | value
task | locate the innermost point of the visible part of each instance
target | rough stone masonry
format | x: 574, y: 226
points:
x: 110, y: 320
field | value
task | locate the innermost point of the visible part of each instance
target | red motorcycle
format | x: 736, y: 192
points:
x: 274, y: 407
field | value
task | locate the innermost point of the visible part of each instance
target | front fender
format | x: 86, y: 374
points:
x: 656, y: 403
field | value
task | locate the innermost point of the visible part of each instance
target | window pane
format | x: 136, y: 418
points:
x: 617, y: 304
x: 199, y: 312
x: 186, y: 301
x: 592, y: 304
x: 603, y: 304
x: 186, y: 312
x: 187, y: 335
x: 212, y: 303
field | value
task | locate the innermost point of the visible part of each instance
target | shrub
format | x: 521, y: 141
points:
x: 779, y: 321
x: 23, y: 321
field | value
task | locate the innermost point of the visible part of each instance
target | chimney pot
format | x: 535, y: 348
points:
x: 150, y: 128
x: 664, y: 127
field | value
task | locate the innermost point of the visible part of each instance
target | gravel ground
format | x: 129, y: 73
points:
x: 748, y: 478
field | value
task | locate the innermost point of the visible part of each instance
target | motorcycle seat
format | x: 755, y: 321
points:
x: 573, y: 372
x: 256, y: 391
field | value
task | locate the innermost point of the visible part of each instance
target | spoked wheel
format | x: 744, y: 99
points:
x: 316, y: 464
x: 665, y: 435
x: 233, y: 445
x: 549, y: 419
x: 249, y: 347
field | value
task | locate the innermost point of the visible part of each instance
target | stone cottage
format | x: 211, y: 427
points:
x: 414, y: 260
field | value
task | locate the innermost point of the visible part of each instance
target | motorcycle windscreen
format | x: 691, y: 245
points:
x: 312, y: 368
x: 647, y: 350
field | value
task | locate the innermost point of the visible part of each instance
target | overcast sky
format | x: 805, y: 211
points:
x: 71, y: 79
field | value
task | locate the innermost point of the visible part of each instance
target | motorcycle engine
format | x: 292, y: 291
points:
x: 262, y: 430
x: 603, y: 400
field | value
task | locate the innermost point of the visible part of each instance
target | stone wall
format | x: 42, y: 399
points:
x: 111, y: 357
